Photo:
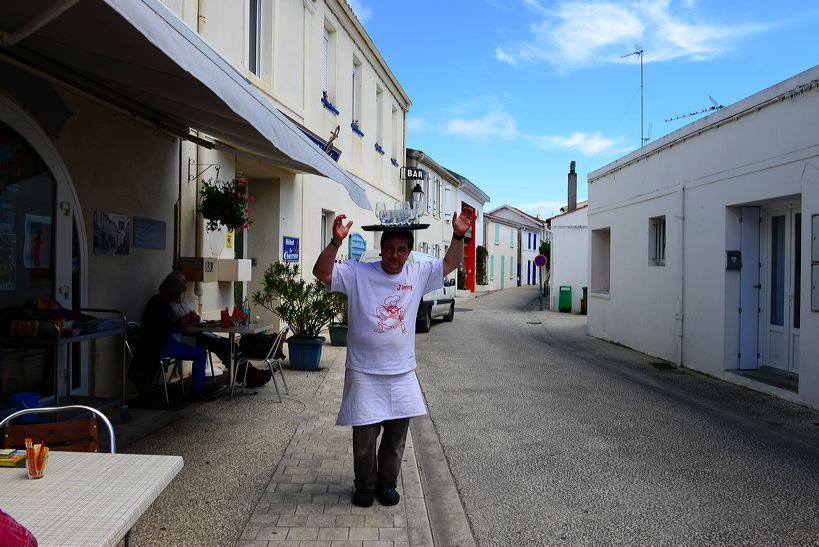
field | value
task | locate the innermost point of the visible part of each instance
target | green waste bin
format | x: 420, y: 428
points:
x: 564, y: 304
x: 584, y: 301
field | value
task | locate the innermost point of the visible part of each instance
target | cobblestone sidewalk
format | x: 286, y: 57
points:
x: 308, y: 500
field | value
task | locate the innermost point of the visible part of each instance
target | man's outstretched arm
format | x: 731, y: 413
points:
x: 455, y: 253
x: 323, y: 269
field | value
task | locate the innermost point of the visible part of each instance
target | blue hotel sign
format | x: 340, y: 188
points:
x: 290, y: 249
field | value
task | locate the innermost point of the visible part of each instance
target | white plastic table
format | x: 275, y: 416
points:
x: 86, y: 498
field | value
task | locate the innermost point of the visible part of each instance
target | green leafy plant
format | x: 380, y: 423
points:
x: 341, y: 315
x: 461, y: 279
x: 306, y: 307
x: 226, y: 204
x: 480, y: 264
x: 545, y: 249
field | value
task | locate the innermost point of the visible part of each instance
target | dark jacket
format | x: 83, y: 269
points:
x: 158, y: 322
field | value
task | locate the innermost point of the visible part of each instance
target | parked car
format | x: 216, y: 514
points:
x: 439, y: 303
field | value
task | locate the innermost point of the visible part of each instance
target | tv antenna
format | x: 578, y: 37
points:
x: 714, y: 106
x: 638, y: 51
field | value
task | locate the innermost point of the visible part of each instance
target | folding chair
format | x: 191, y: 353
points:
x: 270, y: 358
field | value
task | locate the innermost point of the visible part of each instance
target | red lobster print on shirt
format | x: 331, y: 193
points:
x: 390, y: 315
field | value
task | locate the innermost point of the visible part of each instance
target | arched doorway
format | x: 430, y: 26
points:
x: 43, y: 250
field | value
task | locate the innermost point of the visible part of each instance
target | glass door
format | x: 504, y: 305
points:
x: 782, y: 279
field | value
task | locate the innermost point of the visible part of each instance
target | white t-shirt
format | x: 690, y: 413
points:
x: 381, y: 311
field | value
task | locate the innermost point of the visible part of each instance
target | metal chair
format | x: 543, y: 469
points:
x: 165, y: 363
x: 76, y: 435
x: 269, y: 359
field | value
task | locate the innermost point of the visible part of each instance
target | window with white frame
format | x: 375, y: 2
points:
x: 396, y: 133
x: 356, y: 89
x: 327, y: 218
x: 511, y: 237
x: 656, y: 241
x: 447, y: 203
x: 497, y: 234
x: 379, y: 115
x: 254, y: 36
x: 328, y: 60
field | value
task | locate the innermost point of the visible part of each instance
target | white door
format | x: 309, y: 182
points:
x: 782, y: 264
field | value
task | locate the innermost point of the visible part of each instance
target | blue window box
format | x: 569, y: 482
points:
x: 356, y: 130
x: 379, y: 149
x: 329, y: 106
x: 394, y: 161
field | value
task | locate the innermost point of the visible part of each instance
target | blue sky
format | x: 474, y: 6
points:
x: 508, y: 92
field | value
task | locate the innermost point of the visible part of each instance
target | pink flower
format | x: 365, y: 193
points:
x: 247, y: 209
x: 251, y: 199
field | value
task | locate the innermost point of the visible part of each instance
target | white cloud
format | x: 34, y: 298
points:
x: 494, y: 124
x: 416, y: 124
x: 361, y: 11
x: 583, y: 33
x: 589, y: 144
x: 543, y: 209
x: 504, y: 57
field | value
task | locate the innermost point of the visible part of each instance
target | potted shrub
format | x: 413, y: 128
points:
x: 306, y: 307
x: 338, y: 326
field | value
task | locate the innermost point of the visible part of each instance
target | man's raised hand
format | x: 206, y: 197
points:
x: 340, y: 230
x: 460, y: 224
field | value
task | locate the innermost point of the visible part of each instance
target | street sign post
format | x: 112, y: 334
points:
x: 540, y: 262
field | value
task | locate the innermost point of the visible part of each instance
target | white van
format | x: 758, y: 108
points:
x: 440, y: 303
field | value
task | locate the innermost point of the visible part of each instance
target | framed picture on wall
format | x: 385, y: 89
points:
x: 112, y: 233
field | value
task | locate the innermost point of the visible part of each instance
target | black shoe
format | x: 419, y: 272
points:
x: 363, y: 498
x: 387, y: 495
x: 201, y: 397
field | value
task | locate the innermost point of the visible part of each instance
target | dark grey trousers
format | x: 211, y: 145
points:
x: 382, y: 466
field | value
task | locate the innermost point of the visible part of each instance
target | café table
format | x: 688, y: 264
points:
x: 231, y: 331
x: 86, y: 498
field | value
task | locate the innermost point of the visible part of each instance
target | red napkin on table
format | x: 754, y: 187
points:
x: 14, y: 534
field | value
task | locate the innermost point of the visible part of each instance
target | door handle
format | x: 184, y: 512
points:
x: 758, y: 286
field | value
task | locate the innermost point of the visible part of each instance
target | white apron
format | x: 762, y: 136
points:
x: 373, y: 398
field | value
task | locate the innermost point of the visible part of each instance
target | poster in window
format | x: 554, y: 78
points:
x: 37, y: 243
x: 8, y: 262
x: 111, y: 233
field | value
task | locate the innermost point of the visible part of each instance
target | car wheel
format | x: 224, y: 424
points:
x: 451, y: 315
x: 425, y: 322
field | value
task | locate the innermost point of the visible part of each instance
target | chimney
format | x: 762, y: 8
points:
x: 572, y: 189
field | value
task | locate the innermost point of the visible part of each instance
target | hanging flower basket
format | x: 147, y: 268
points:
x: 226, y: 203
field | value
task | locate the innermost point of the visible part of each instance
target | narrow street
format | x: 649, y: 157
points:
x: 553, y: 437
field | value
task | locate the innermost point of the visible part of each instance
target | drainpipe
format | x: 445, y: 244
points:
x: 198, y: 287
x: 679, y: 313
x: 45, y: 17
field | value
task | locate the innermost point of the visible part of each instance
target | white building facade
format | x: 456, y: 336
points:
x: 569, y: 255
x: 703, y: 244
x: 172, y: 93
x: 529, y: 233
x: 502, y: 247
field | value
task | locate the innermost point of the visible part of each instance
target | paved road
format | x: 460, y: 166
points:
x: 556, y: 438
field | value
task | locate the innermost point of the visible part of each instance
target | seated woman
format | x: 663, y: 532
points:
x: 161, y: 336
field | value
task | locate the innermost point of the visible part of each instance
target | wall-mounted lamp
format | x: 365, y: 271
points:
x: 417, y: 196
